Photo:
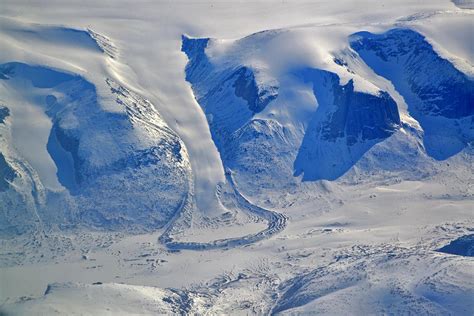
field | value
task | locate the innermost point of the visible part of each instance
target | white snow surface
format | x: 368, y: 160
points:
x: 156, y: 69
x: 360, y: 245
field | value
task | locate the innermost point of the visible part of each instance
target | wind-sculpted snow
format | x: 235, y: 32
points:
x: 438, y: 95
x: 60, y: 36
x: 346, y: 124
x: 246, y: 87
x: 267, y: 149
x: 100, y: 150
x: 4, y: 113
x: 98, y: 298
x: 259, y: 135
x: 368, y: 281
x: 230, y: 96
x: 357, y: 280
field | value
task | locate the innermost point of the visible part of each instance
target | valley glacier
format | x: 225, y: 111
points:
x: 221, y: 158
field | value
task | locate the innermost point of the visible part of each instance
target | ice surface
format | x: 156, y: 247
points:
x: 438, y: 95
x: 87, y: 155
x: 186, y: 121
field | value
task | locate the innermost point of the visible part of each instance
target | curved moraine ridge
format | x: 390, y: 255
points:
x: 276, y: 223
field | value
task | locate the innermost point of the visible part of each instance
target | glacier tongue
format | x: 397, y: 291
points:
x: 438, y: 95
x: 371, y: 223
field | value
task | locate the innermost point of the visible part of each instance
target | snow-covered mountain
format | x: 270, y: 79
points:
x: 263, y: 137
x: 439, y: 96
x: 70, y: 149
x: 213, y: 158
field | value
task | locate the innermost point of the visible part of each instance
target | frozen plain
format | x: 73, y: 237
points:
x: 363, y: 243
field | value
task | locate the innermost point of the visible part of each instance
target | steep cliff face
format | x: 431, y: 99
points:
x: 20, y: 190
x: 7, y: 174
x: 230, y: 96
x: 4, y: 112
x: 264, y: 141
x: 346, y: 124
x: 262, y: 151
x: 99, y: 149
x: 246, y: 87
x: 357, y: 116
x: 438, y: 95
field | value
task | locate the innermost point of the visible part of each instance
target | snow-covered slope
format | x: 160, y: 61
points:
x: 270, y: 134
x: 380, y: 291
x: 463, y: 246
x: 70, y: 149
x: 206, y: 157
x: 439, y: 96
x: 102, y: 299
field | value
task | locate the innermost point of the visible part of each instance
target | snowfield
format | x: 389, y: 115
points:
x: 260, y: 157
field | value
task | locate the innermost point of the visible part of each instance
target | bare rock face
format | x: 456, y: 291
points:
x: 463, y: 246
x: 120, y: 166
x: 4, y: 113
x: 246, y: 87
x: 438, y: 95
x: 231, y: 96
x: 346, y: 125
x: 7, y: 174
x: 359, y: 116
